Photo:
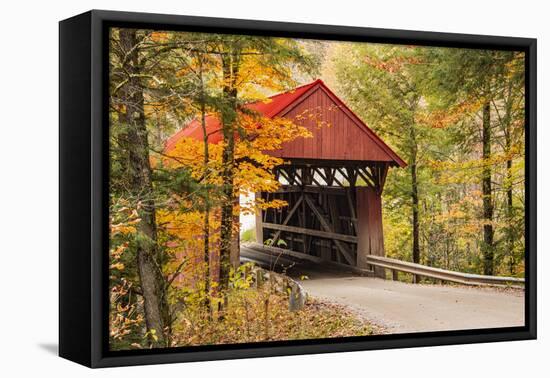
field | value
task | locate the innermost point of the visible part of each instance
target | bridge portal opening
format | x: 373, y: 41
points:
x: 334, y: 212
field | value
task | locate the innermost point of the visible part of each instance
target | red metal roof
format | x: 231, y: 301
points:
x: 372, y: 147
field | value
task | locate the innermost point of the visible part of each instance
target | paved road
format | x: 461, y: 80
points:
x: 404, y: 308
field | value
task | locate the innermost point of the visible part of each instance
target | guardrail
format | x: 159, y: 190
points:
x: 441, y: 274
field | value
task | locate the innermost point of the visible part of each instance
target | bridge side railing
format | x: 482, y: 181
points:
x: 441, y: 274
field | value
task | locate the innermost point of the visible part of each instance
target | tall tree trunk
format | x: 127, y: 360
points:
x: 510, y: 212
x: 509, y: 184
x: 488, y: 232
x: 153, y: 285
x: 230, y: 67
x: 206, y: 225
x: 415, y: 201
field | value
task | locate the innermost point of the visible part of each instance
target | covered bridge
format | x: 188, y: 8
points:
x: 332, y: 182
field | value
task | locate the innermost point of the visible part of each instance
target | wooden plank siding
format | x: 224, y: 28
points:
x: 337, y: 135
x: 369, y: 227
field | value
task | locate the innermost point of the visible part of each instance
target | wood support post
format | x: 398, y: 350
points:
x: 370, y: 238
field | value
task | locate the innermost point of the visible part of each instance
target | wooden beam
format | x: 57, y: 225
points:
x: 329, y: 176
x: 320, y: 172
x: 344, y: 174
x: 288, y: 216
x: 303, y: 223
x: 275, y: 252
x: 288, y: 189
x: 334, y: 214
x: 352, y: 176
x: 314, y: 180
x: 284, y: 174
x: 333, y: 190
x: 328, y: 228
x: 364, y: 177
x: 310, y: 232
x: 352, y: 208
x: 335, y: 179
x: 306, y: 177
x: 334, y: 218
x: 288, y: 175
x: 297, y: 179
x: 375, y: 173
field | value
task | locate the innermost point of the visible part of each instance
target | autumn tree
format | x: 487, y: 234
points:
x: 462, y: 138
x: 139, y: 97
x: 486, y: 78
x: 134, y: 141
x: 247, y: 64
x: 381, y: 84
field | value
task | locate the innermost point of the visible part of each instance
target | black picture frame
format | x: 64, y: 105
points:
x: 83, y: 195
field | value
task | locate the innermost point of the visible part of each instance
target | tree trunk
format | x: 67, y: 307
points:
x: 510, y: 216
x: 229, y: 115
x: 206, y: 225
x: 488, y: 246
x: 509, y: 183
x: 153, y: 285
x: 415, y: 202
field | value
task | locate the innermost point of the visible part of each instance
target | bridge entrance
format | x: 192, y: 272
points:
x: 333, y: 215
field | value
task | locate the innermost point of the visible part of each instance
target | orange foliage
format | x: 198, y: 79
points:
x: 393, y: 64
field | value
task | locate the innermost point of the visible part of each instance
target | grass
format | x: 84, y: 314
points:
x: 248, y: 235
x: 255, y: 315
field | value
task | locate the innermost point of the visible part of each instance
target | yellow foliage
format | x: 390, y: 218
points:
x: 117, y: 266
x: 159, y: 36
x: 253, y: 170
x: 440, y: 119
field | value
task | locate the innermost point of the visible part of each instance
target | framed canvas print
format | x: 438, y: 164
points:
x: 233, y: 188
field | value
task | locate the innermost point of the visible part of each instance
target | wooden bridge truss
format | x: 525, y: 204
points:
x: 333, y: 175
x: 333, y: 212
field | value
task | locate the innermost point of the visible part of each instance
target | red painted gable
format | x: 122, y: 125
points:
x: 347, y: 137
